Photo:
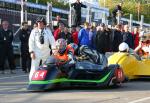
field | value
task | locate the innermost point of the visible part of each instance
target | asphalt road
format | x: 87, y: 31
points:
x: 13, y: 90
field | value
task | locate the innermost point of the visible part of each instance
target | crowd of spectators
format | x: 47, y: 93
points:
x: 99, y: 37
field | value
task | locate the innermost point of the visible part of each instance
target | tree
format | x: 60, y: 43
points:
x: 131, y: 7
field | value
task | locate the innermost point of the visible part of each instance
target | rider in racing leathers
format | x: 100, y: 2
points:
x: 64, y: 52
x: 40, y: 41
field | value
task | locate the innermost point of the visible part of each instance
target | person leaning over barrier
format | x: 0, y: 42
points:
x: 40, y: 41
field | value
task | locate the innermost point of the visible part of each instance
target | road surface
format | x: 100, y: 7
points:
x: 13, y: 90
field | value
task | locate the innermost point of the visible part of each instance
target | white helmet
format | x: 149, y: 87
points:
x: 123, y: 47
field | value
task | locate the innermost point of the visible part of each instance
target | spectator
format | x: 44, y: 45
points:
x: 127, y: 37
x: 66, y: 35
x: 114, y: 13
x: 74, y: 34
x: 92, y: 35
x: 83, y: 35
x: 57, y: 21
x: 116, y: 38
x: 24, y: 34
x: 78, y: 28
x: 102, y: 40
x: 40, y: 41
x: 6, y: 38
x: 58, y: 30
x: 77, y: 7
x: 135, y: 35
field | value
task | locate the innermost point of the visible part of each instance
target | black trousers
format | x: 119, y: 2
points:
x: 6, y: 52
x: 78, y: 20
x: 114, y: 21
x: 25, y: 60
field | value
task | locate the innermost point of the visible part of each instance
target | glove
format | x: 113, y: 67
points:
x: 72, y: 61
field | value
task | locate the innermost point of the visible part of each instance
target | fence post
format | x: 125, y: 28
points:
x: 130, y: 22
x: 26, y: 13
x: 22, y: 11
x: 70, y: 15
x: 118, y: 17
x: 141, y: 23
x: 49, y: 13
x: 88, y: 15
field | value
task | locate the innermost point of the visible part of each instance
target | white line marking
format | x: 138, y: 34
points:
x: 140, y: 100
x: 13, y: 77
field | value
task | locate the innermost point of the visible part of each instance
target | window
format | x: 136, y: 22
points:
x: 1, y: 4
x: 12, y: 6
x: 7, y: 5
x: 43, y: 11
x: 54, y: 14
x: 18, y: 7
x: 31, y: 10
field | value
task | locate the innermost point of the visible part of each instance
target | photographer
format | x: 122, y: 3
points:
x: 40, y: 41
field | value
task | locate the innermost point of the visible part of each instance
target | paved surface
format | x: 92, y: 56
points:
x: 13, y: 90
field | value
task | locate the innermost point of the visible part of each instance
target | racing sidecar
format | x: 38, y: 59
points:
x: 82, y: 74
x: 133, y: 67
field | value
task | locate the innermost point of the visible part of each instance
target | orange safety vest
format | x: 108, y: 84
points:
x: 63, y: 58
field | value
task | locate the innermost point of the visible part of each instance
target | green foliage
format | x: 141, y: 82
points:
x: 131, y: 7
x: 55, y: 3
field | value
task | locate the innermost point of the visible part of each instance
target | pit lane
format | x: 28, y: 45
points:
x: 13, y: 90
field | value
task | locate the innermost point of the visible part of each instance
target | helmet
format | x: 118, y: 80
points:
x: 123, y: 47
x: 61, y: 45
x: 74, y: 46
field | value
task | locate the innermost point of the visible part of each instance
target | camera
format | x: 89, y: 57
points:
x: 41, y: 39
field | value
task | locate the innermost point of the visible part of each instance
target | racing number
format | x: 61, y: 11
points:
x: 42, y: 74
x: 36, y: 75
x: 39, y: 75
x: 119, y: 74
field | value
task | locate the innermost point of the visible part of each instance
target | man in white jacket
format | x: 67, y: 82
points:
x: 40, y: 41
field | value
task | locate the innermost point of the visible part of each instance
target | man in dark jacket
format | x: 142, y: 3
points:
x: 116, y: 39
x: 6, y: 48
x: 77, y: 7
x: 24, y: 34
x: 114, y: 13
x: 127, y: 37
x: 102, y: 40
